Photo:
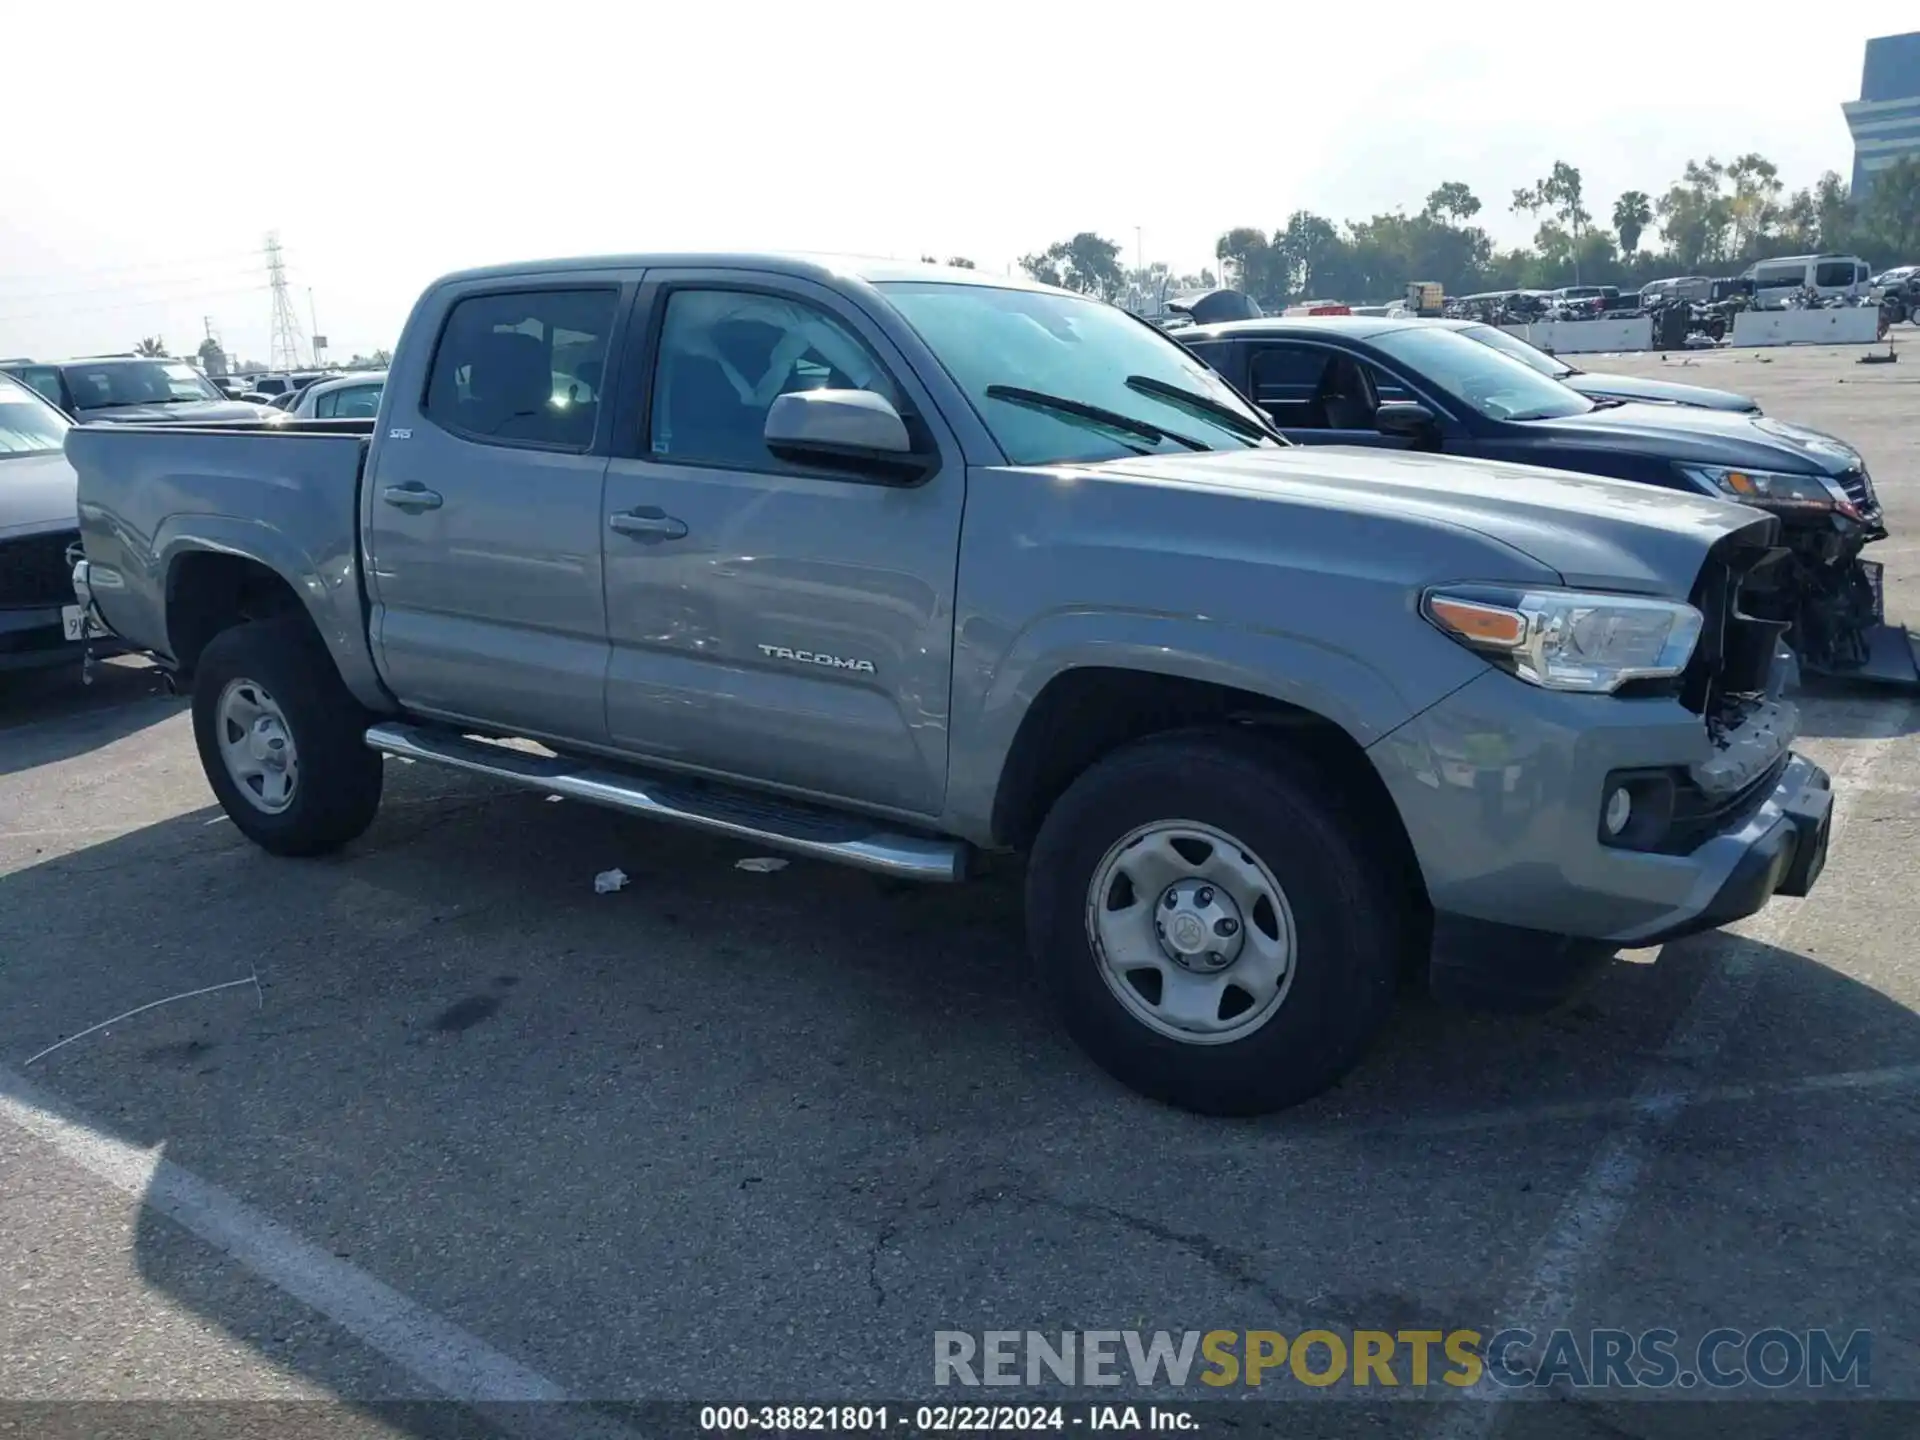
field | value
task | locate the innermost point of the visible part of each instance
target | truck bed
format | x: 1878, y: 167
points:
x: 152, y: 497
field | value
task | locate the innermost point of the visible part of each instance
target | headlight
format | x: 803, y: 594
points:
x: 1772, y: 488
x: 1568, y: 639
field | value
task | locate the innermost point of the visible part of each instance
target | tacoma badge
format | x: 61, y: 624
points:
x: 814, y: 657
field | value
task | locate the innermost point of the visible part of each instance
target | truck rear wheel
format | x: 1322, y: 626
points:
x: 1209, y: 927
x: 281, y: 738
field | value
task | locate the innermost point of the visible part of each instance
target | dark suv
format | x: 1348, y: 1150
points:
x: 130, y: 389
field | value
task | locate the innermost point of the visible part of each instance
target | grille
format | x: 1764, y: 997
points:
x: 1859, y: 487
x: 34, y: 570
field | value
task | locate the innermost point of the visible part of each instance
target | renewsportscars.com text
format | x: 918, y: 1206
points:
x: 1721, y: 1359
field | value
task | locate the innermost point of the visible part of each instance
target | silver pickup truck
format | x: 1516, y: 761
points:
x: 890, y: 565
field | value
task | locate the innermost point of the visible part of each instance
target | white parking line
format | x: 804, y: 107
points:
x: 1520, y: 1117
x: 458, y: 1365
x: 1545, y: 1299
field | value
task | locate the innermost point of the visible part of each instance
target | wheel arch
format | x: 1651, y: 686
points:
x: 217, y: 572
x: 1083, y: 714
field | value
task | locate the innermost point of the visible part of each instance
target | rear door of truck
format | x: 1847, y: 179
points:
x: 484, y: 513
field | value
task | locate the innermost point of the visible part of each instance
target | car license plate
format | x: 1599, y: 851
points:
x: 79, y: 625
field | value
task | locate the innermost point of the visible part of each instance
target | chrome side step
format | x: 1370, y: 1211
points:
x: 783, y: 824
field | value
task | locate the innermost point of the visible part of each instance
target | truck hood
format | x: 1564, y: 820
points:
x: 1703, y: 437
x: 36, y: 493
x: 1663, y: 392
x: 195, y: 412
x: 1605, y: 534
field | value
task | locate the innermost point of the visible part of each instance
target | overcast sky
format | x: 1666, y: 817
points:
x: 151, y: 147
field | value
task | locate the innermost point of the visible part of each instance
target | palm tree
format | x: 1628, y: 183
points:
x: 152, y: 345
x: 1632, y: 213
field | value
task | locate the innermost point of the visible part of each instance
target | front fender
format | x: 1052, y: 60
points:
x: 1365, y: 701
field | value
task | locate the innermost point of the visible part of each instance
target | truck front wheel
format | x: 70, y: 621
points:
x: 280, y: 738
x: 1210, y: 927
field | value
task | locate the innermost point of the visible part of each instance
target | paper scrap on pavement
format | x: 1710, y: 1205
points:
x: 761, y: 864
x: 608, y: 881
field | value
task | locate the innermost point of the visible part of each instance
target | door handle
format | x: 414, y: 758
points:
x: 648, y: 522
x: 411, y: 496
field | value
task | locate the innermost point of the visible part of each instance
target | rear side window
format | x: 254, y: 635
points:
x: 356, y: 402
x: 43, y: 380
x: 1833, y: 272
x: 523, y: 368
x: 1774, y: 277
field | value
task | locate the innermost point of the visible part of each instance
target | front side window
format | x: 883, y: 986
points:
x: 1779, y: 277
x: 137, y: 382
x: 1286, y: 382
x: 726, y: 355
x: 1497, y: 386
x: 1127, y: 388
x: 28, y: 424
x: 523, y: 368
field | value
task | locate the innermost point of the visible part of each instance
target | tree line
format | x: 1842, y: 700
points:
x: 1715, y: 219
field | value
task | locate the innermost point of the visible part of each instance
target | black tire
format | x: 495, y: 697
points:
x: 337, y: 789
x: 1349, y: 907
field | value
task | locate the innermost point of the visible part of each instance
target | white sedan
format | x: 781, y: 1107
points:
x: 346, y: 397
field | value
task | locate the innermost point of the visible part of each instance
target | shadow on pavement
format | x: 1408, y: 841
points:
x: 49, y: 715
x: 732, y: 1135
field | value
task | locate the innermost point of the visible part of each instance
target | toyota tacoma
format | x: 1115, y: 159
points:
x: 894, y: 565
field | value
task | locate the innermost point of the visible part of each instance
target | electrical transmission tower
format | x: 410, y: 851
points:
x: 283, y: 345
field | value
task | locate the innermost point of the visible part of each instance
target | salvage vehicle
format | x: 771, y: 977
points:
x: 1601, y: 386
x: 892, y: 565
x: 40, y: 621
x: 131, y: 389
x: 1897, y: 292
x: 1421, y: 385
x: 1778, y: 282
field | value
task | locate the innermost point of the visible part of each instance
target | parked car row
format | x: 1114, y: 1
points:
x: 128, y: 389
x: 125, y: 389
x: 1279, y: 654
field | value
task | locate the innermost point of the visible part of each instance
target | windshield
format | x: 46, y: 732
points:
x: 1017, y: 353
x: 137, y: 382
x: 1507, y: 343
x: 1494, y: 384
x: 28, y: 424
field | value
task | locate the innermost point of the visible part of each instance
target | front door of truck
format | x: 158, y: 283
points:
x: 484, y: 512
x: 780, y: 622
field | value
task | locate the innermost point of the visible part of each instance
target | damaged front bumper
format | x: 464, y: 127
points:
x: 1780, y: 849
x: 1504, y: 790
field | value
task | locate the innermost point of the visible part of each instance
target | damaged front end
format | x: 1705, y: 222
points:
x: 1736, y: 682
x: 1831, y: 602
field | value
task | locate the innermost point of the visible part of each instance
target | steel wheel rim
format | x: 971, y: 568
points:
x: 256, y: 744
x: 1202, y: 974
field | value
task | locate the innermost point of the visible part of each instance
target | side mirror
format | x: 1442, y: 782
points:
x: 1404, y: 418
x: 842, y: 424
